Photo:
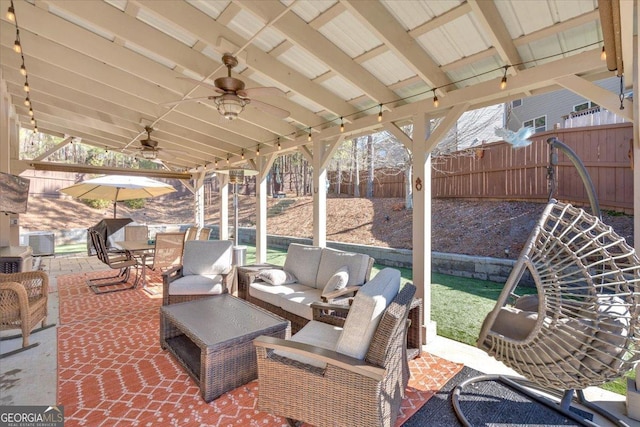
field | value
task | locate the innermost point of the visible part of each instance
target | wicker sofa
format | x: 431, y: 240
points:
x: 310, y: 274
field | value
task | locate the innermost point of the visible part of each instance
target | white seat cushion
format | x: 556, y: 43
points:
x: 302, y: 261
x: 318, y: 334
x: 197, y: 285
x: 299, y: 301
x: 366, y: 311
x: 207, y: 257
x: 332, y: 260
x: 269, y: 293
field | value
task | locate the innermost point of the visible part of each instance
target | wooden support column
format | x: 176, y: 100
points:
x: 223, y: 180
x: 422, y: 220
x: 263, y: 164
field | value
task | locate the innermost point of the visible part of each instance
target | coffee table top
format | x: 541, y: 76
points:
x: 232, y: 317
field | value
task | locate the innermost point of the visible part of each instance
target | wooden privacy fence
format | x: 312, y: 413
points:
x: 499, y: 171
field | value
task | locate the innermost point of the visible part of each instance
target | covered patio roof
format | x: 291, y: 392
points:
x: 102, y: 70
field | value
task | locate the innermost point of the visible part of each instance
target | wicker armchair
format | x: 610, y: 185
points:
x: 347, y: 391
x: 23, y: 303
x: 206, y: 270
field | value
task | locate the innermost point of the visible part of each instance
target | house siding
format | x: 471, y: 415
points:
x: 553, y: 105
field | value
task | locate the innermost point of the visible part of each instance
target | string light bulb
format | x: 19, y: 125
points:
x: 31, y: 112
x: 603, y: 54
x: 341, y: 125
x: 258, y: 150
x: 309, y: 136
x: 23, y: 70
x: 380, y: 114
x: 11, y: 13
x: 27, y: 102
x: 227, y: 158
x: 17, y: 47
x: 35, y: 129
x: 436, y: 103
x: 503, y: 82
x: 279, y: 146
x: 26, y: 86
x: 216, y: 162
x: 33, y: 121
x: 242, y: 154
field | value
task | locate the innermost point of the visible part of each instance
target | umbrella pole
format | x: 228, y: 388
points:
x: 115, y: 200
x: 114, y: 208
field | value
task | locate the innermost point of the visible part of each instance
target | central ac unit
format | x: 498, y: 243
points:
x: 42, y: 243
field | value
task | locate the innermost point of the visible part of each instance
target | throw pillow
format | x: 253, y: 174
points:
x: 276, y: 277
x: 336, y: 282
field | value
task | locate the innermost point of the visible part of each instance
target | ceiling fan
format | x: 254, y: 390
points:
x: 234, y: 97
x: 149, y: 147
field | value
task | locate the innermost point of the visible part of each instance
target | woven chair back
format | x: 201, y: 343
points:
x: 136, y: 232
x: 168, y: 250
x: 582, y: 327
x: 205, y: 234
x: 191, y: 234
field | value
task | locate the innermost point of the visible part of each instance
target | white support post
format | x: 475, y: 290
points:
x: 422, y: 221
x: 635, y: 63
x: 198, y: 195
x: 223, y: 180
x: 264, y: 164
x: 319, y: 195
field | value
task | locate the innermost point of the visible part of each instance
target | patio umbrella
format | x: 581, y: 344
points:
x: 118, y: 188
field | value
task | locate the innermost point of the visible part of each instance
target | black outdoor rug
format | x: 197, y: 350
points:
x: 486, y: 403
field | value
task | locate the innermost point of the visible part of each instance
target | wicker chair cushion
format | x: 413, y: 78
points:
x: 276, y: 276
x: 210, y: 284
x: 338, y: 281
x: 365, y: 312
x: 318, y: 334
x: 332, y: 260
x: 613, y: 329
x: 207, y: 257
x: 528, y: 303
x: 272, y: 294
x: 299, y: 302
x: 302, y: 261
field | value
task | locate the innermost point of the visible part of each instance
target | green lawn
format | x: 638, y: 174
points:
x: 458, y: 305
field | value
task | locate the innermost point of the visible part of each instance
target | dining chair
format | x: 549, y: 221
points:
x: 121, y: 261
x: 136, y: 232
x: 204, y: 234
x: 191, y: 234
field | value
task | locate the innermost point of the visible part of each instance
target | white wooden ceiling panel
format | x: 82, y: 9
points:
x: 212, y: 8
x: 80, y: 22
x: 166, y: 27
x: 349, y: 35
x: 421, y: 11
x: 388, y: 68
x: 309, y: 10
x: 303, y: 62
x: 341, y: 87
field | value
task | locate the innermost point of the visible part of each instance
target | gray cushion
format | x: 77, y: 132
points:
x: 314, y: 333
x: 338, y: 281
x: 207, y: 257
x: 332, y: 260
x: 302, y: 261
x: 299, y: 301
x: 197, y: 285
x: 366, y: 311
x: 276, y: 276
x: 269, y: 293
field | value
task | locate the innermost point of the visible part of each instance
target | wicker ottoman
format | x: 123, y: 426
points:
x: 212, y: 338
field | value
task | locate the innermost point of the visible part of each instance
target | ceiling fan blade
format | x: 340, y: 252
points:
x: 172, y: 103
x: 271, y: 109
x: 252, y: 92
x: 205, y: 84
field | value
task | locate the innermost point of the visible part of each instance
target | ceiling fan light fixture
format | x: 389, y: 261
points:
x: 230, y: 105
x: 149, y: 154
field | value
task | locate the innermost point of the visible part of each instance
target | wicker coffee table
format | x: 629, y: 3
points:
x: 212, y: 338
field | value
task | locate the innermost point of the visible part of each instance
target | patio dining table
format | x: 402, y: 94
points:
x: 140, y: 249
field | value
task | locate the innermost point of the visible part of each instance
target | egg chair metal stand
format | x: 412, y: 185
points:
x: 582, y: 326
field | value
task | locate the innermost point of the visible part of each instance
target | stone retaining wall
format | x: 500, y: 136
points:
x: 483, y: 268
